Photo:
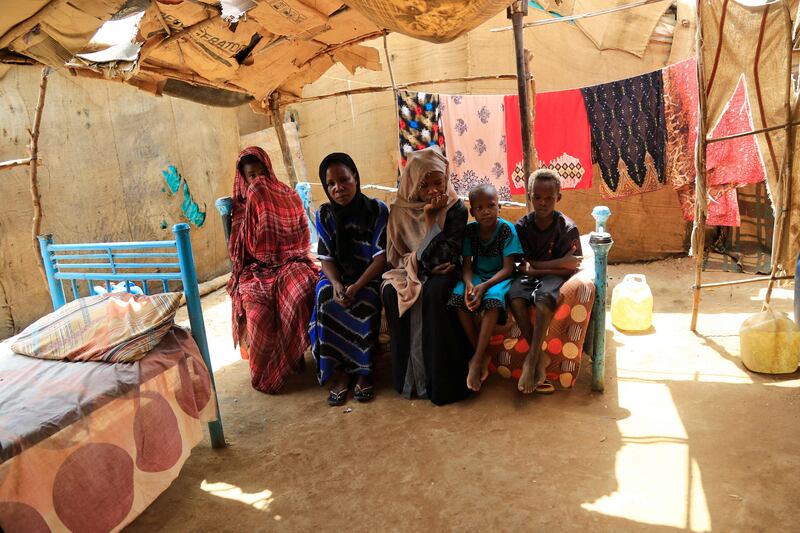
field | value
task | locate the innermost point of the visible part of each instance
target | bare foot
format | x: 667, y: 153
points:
x: 541, y: 369
x: 526, y: 384
x: 478, y: 372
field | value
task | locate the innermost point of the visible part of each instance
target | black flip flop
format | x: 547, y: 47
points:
x: 363, y: 394
x: 336, y: 399
x: 545, y: 387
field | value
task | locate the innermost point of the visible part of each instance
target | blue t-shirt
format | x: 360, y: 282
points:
x: 487, y: 257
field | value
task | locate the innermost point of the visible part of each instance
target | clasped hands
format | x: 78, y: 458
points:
x: 473, y: 295
x: 345, y: 295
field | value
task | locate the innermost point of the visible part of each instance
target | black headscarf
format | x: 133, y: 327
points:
x: 362, y: 209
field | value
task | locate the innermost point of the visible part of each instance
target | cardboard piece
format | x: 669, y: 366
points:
x: 288, y: 17
x: 346, y: 26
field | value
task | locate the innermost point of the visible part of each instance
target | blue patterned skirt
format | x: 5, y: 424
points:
x: 345, y: 338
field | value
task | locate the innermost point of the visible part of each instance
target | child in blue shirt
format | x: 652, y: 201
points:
x: 490, y: 246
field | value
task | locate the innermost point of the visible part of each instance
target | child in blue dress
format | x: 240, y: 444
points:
x: 490, y: 246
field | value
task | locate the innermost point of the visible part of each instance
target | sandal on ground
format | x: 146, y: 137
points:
x: 545, y: 387
x: 363, y: 394
x: 336, y: 398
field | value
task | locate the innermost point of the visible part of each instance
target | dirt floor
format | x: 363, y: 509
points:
x: 682, y: 439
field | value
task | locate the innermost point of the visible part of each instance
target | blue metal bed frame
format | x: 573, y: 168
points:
x: 131, y: 262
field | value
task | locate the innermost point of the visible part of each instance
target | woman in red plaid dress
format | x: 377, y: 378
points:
x: 272, y: 278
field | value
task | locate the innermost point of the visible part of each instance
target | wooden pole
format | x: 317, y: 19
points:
x: 741, y: 281
x: 700, y: 207
x: 531, y: 107
x: 33, y: 150
x: 788, y: 157
x: 277, y: 121
x: 754, y: 132
x: 516, y: 12
x: 381, y: 88
x: 15, y: 163
x: 391, y: 76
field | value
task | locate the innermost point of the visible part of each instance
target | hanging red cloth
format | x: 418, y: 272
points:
x: 561, y: 135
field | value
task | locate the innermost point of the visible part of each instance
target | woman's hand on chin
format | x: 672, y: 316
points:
x: 432, y: 208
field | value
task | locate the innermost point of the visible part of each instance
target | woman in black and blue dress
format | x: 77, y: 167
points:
x: 347, y: 313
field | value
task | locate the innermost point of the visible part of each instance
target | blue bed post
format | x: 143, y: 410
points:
x: 601, y: 243
x: 225, y: 206
x: 192, y: 294
x: 56, y: 291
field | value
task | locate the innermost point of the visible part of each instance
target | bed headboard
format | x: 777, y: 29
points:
x: 166, y: 265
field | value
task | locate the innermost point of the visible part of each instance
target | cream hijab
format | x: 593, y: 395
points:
x: 407, y: 227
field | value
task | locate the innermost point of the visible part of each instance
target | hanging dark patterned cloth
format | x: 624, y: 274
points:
x: 420, y: 123
x: 626, y: 118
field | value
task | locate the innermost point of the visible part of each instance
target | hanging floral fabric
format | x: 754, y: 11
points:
x: 474, y: 127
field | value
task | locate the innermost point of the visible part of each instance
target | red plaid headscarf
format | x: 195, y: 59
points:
x: 268, y: 230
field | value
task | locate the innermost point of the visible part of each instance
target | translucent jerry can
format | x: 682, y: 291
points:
x: 632, y: 304
x: 770, y: 343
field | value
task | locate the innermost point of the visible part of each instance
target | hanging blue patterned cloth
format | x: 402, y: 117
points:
x: 626, y: 118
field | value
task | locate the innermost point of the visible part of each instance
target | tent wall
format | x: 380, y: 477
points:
x: 103, y: 147
x: 366, y: 126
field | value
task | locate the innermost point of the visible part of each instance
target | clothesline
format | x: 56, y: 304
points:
x: 580, y: 15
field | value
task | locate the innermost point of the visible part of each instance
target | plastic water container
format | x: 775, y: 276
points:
x: 632, y: 304
x: 770, y: 343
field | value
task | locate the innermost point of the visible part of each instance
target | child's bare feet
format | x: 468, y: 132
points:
x: 478, y: 372
x: 526, y: 383
x: 527, y: 380
x: 541, y: 369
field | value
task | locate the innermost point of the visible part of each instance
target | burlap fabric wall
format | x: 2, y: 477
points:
x: 103, y: 147
x: 753, y: 44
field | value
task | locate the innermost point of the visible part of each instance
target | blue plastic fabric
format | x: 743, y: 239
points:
x: 304, y: 190
x: 119, y: 287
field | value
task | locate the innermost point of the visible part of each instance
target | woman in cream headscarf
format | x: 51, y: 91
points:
x: 425, y: 239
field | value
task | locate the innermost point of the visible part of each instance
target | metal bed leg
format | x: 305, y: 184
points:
x: 56, y: 290
x: 601, y: 243
x: 225, y: 207
x: 192, y: 294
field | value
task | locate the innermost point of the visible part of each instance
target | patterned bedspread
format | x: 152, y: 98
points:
x: 563, y: 343
x: 95, y: 443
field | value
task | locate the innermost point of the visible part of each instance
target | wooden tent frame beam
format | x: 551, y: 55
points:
x: 516, y: 12
x: 383, y: 88
x: 15, y: 163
